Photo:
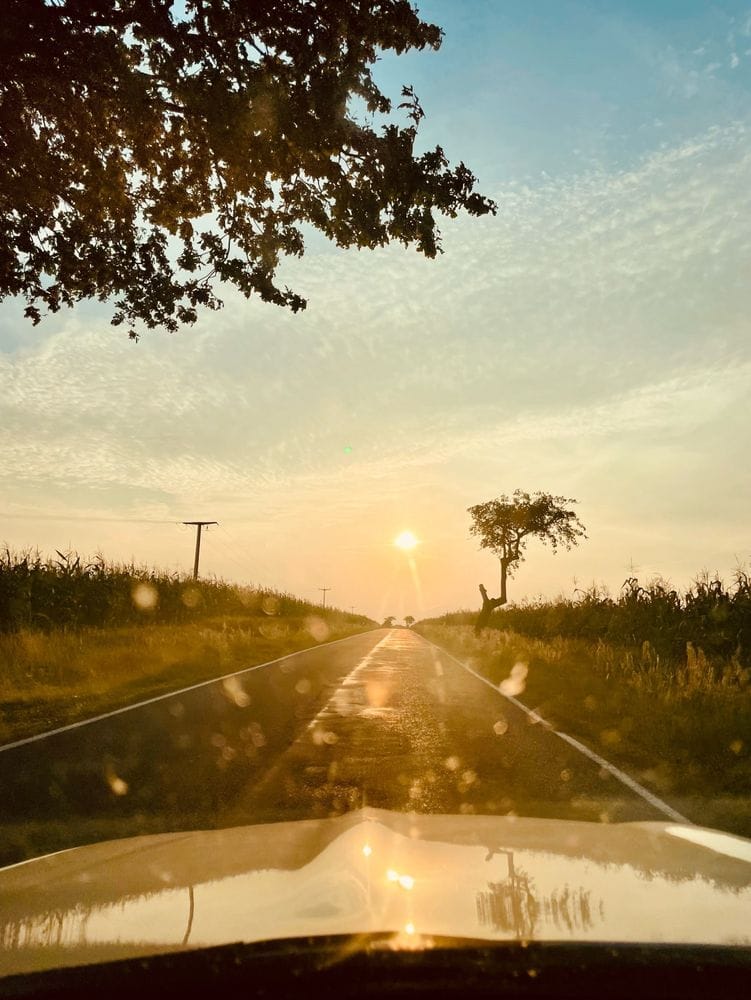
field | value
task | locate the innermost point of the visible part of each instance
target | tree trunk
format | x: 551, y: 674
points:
x: 489, y: 604
x: 504, y: 568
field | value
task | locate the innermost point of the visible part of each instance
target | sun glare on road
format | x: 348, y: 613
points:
x: 406, y: 541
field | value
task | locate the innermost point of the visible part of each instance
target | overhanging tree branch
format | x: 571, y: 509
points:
x: 120, y: 111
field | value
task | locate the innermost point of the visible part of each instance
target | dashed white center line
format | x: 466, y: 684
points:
x: 335, y: 704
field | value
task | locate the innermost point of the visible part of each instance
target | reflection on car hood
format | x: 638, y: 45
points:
x: 372, y: 871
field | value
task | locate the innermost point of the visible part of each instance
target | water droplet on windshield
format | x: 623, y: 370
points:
x: 270, y: 605
x: 515, y: 683
x: 235, y: 692
x: 317, y: 628
x: 117, y: 785
x: 145, y: 596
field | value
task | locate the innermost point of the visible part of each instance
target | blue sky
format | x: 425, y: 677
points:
x: 591, y: 340
x: 565, y: 86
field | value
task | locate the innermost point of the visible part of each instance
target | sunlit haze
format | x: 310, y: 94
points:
x: 591, y: 340
x: 406, y: 540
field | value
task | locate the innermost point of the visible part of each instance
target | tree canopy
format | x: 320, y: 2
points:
x: 151, y: 152
x: 506, y: 524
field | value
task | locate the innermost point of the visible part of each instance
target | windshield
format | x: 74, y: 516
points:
x: 375, y: 421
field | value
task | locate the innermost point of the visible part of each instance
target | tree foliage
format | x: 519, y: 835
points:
x: 506, y: 524
x: 147, y: 156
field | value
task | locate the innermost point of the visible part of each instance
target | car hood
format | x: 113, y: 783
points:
x: 413, y: 877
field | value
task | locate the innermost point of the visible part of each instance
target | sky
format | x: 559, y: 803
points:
x: 591, y: 341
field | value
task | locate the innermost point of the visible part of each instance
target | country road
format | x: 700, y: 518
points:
x: 382, y: 719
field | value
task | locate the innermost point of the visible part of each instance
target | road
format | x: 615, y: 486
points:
x: 381, y: 719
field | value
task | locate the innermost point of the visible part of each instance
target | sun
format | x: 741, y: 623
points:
x: 406, y: 540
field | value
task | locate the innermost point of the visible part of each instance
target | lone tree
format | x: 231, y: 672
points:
x: 149, y: 151
x: 506, y: 524
x: 409, y: 621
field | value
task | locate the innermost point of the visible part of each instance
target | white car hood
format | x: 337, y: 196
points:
x: 414, y: 877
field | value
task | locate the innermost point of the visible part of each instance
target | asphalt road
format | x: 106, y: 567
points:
x: 381, y: 719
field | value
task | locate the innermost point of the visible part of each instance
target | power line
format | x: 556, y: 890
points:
x: 80, y: 517
x: 228, y: 553
x: 251, y: 555
x: 324, y: 591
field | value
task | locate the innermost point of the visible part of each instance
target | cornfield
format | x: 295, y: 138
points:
x: 711, y: 619
x: 69, y: 592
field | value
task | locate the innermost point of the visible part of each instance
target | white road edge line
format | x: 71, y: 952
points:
x: 616, y: 772
x: 173, y: 694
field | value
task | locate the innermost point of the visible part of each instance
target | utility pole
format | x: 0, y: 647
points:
x: 325, y: 591
x: 199, y: 526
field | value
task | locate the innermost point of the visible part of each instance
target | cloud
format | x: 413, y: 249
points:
x: 591, y: 305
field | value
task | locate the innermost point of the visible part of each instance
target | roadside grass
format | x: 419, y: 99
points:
x: 50, y: 679
x: 682, y: 729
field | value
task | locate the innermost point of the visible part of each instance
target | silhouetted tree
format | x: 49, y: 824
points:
x: 409, y: 621
x: 149, y: 152
x: 389, y: 622
x: 504, y: 526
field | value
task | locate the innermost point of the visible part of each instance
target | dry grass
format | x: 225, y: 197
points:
x: 683, y: 730
x: 48, y: 679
